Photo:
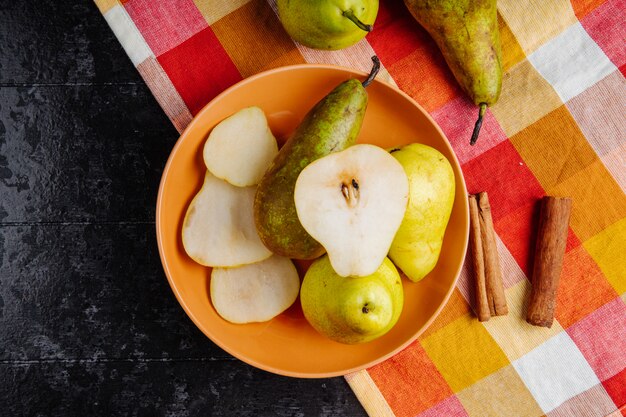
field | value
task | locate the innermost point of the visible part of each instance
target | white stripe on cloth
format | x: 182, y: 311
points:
x: 127, y: 33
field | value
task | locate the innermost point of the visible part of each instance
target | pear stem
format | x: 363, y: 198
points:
x: 350, y: 15
x: 481, y: 113
x: 373, y: 72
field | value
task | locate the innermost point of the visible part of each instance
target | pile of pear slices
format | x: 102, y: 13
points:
x: 248, y: 282
x: 371, y: 209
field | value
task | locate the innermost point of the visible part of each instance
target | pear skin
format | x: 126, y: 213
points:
x: 466, y: 32
x: 351, y: 310
x: 331, y: 125
x: 417, y: 245
x: 327, y: 24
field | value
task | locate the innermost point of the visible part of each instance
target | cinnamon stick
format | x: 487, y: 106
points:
x: 476, y: 248
x: 493, y: 275
x: 549, y: 251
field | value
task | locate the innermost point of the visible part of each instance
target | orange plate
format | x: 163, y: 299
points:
x: 288, y: 345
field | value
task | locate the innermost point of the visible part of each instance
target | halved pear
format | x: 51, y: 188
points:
x: 241, y: 147
x: 219, y: 228
x: 254, y: 293
x: 353, y: 202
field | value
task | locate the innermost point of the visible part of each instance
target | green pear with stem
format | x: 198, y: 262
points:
x: 327, y: 24
x: 351, y: 309
x: 466, y: 32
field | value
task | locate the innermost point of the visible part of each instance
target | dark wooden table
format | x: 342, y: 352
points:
x: 88, y: 323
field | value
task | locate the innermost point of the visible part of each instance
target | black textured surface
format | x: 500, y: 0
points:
x: 88, y: 323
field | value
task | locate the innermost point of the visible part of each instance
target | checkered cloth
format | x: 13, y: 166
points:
x: 559, y: 128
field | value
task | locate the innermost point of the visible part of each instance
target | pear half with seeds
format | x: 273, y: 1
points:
x: 352, y: 202
x: 219, y: 228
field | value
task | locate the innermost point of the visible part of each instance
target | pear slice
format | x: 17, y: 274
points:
x: 219, y: 228
x: 240, y: 148
x: 255, y: 293
x: 353, y: 202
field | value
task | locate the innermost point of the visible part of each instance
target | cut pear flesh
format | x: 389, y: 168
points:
x: 240, y: 148
x: 353, y: 202
x: 254, y: 293
x: 219, y: 228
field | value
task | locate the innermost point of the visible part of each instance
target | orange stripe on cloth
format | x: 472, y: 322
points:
x: 264, y: 43
x: 105, y: 5
x: 410, y: 381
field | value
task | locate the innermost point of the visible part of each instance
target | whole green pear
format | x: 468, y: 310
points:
x: 330, y: 126
x: 417, y: 244
x: 327, y: 24
x: 351, y: 309
x: 467, y: 34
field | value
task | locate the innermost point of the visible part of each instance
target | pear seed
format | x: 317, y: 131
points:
x: 350, y: 192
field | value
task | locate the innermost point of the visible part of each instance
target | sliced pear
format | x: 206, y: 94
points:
x: 353, y: 202
x: 219, y: 229
x: 241, y: 147
x: 254, y: 293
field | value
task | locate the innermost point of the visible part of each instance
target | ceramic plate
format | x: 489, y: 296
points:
x: 288, y: 345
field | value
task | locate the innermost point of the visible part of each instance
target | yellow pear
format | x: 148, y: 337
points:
x: 416, y: 247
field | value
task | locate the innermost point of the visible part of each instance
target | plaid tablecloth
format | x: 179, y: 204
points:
x: 559, y: 128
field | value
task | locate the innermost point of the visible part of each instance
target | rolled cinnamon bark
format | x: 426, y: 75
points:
x: 476, y: 252
x: 548, y: 260
x: 493, y: 275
